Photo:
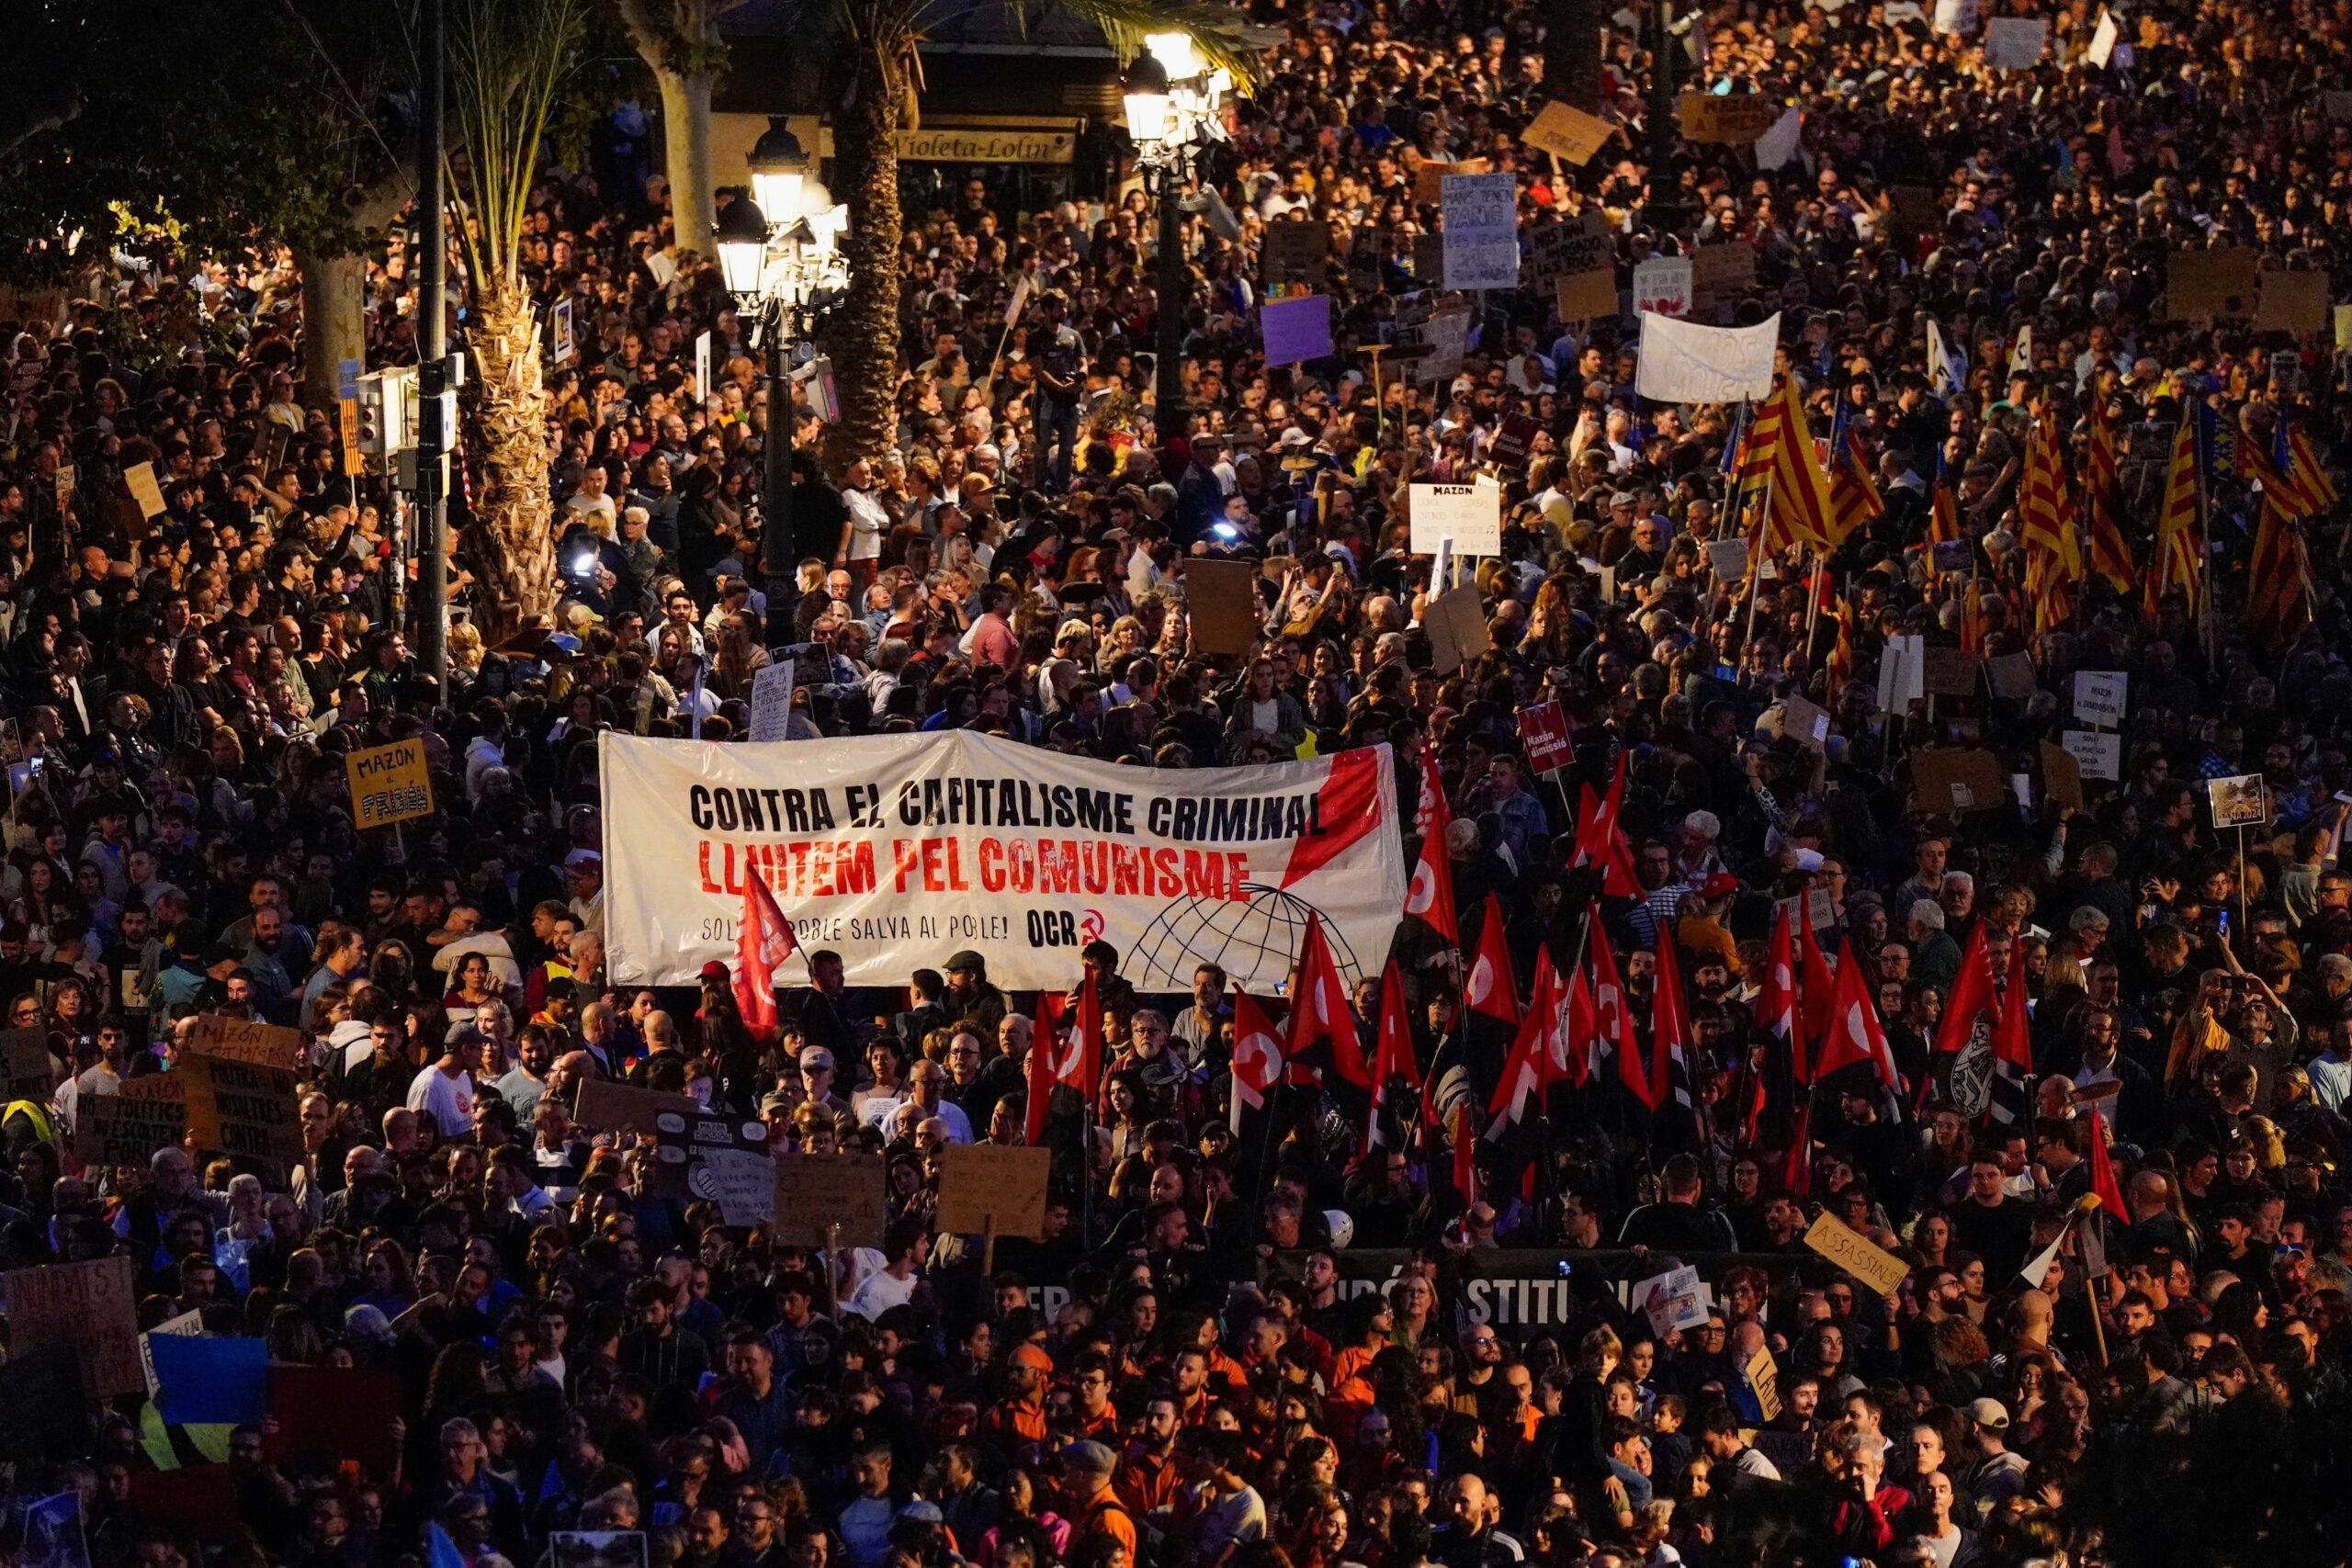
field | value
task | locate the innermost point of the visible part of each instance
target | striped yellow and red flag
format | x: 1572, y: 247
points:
x: 2110, y: 557
x: 1972, y: 617
x: 2278, y: 580
x: 2053, y: 561
x: 1780, y: 460
x: 1854, y: 499
x: 2178, y: 546
x: 1841, y: 665
x: 2307, y: 471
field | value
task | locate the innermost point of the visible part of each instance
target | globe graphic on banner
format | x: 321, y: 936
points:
x: 1255, y: 939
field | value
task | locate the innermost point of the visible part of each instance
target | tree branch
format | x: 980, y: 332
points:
x: 50, y: 107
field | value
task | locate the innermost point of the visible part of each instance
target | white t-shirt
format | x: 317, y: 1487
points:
x: 448, y: 1100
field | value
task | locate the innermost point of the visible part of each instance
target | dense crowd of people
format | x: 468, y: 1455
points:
x: 1803, y: 934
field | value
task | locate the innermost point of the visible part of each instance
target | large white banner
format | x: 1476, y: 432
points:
x: 896, y: 850
x: 1682, y: 362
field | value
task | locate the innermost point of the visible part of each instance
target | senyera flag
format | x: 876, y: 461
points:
x: 894, y: 850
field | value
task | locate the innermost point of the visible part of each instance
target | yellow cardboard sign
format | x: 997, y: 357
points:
x: 388, y: 784
x: 1875, y: 1267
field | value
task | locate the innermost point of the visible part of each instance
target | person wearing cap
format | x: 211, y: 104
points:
x: 1997, y: 1474
x: 1087, y: 1469
x: 970, y: 998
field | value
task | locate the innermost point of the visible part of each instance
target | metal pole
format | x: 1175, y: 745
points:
x: 1664, y: 207
x: 433, y: 354
x: 1169, y: 374
x: 783, y: 571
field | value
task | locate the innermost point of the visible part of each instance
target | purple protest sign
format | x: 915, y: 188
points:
x: 1296, y: 330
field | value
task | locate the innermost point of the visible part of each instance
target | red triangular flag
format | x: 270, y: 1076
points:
x: 1319, y: 1015
x: 1082, y: 1066
x: 1431, y: 813
x: 1816, y: 997
x: 1602, y: 841
x: 1492, y: 989
x: 1612, y: 1024
x: 2012, y: 1097
x: 1580, y: 1030
x: 1428, y: 897
x: 1524, y: 1069
x: 2103, y: 1183
x: 1392, y: 1052
x: 763, y: 941
x: 1257, y: 1056
x: 1465, y: 1153
x: 1669, y: 1024
x: 1974, y: 1004
x: 1044, y: 1050
x: 1854, y: 1033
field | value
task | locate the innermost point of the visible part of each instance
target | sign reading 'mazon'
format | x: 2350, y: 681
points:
x: 895, y: 851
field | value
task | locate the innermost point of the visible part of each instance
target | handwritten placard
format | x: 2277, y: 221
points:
x: 986, y: 1186
x: 817, y: 1196
x: 1567, y: 133
x: 1876, y: 1268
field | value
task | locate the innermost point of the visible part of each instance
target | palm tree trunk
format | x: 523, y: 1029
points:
x: 506, y: 437
x: 686, y: 134
x: 864, y: 338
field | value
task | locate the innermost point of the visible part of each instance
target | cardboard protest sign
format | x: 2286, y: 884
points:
x: 771, y: 700
x: 1544, y: 731
x: 2240, y: 801
x: 604, y: 1107
x: 1952, y: 672
x: 1295, y: 254
x: 1764, y: 1381
x: 243, y: 1108
x: 2015, y: 43
x: 1728, y: 267
x: 88, y: 1309
x: 1295, y: 330
x: 388, y: 784
x: 331, y: 1412
x: 985, y: 1187
x: 816, y: 1193
x: 1221, y: 597
x: 1663, y: 284
x: 1954, y: 779
x: 2061, y: 777
x: 1568, y: 134
x: 2100, y: 696
x: 1727, y: 558
x: 140, y: 477
x: 24, y: 1056
x: 1877, y: 1269
x: 1802, y: 722
x: 1951, y: 558
x: 1428, y: 176
x: 1734, y: 119
x: 1587, y: 296
x: 2098, y: 753
x: 2203, y: 285
x: 2294, y: 303
x: 1902, y: 672
x: 2012, y: 676
x: 1458, y: 629
x: 1481, y: 232
x: 247, y: 1040
x: 127, y: 1128
x: 1576, y: 245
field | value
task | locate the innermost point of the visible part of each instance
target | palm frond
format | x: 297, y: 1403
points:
x: 1219, y: 32
x: 508, y: 59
